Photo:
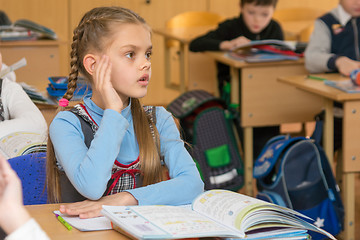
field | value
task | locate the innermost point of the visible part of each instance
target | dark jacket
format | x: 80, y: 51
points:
x: 228, y: 30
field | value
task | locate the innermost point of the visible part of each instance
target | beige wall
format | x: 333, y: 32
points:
x: 62, y: 16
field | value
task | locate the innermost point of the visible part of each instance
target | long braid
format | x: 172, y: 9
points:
x: 53, y: 174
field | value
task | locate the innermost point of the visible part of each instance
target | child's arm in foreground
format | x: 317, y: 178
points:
x: 14, y: 219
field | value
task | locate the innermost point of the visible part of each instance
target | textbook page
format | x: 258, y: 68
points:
x: 164, y: 222
x: 247, y: 213
x: 21, y: 143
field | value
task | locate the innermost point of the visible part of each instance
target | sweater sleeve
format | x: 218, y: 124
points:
x: 21, y: 113
x: 80, y: 163
x: 211, y: 40
x: 185, y: 182
x: 30, y: 230
x: 318, y: 51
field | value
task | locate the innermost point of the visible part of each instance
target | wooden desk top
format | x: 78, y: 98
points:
x: 43, y: 214
x: 184, y: 35
x: 221, y: 57
x: 319, y: 88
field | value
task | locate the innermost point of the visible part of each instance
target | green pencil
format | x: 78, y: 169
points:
x: 316, y: 78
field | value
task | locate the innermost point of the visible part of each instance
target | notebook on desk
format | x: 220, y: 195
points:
x: 344, y: 85
x: 260, y: 57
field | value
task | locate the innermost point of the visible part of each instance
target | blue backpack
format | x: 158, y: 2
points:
x: 295, y: 173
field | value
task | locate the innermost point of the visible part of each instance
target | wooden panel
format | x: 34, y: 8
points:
x: 230, y: 9
x: 50, y: 13
x: 265, y: 101
x: 318, y: 4
x: 42, y: 61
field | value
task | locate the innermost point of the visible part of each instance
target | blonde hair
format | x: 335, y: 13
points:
x: 95, y: 32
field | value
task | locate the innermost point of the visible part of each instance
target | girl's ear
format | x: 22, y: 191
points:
x: 89, y: 63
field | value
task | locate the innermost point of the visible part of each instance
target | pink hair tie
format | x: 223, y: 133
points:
x: 63, y: 102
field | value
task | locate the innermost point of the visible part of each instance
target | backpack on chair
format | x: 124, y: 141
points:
x: 295, y: 173
x: 212, y: 131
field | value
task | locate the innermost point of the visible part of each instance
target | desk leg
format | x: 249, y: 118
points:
x: 167, y: 64
x: 184, y: 66
x: 248, y: 161
x: 248, y: 134
x: 328, y: 134
x: 349, y: 203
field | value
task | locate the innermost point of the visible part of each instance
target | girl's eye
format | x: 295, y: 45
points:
x: 148, y: 55
x: 130, y: 55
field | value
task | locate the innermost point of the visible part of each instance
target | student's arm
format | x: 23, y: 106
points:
x: 23, y: 113
x: 185, y: 183
x: 211, y: 41
x: 318, y: 56
x: 88, y: 169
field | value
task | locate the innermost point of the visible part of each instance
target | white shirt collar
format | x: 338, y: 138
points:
x: 344, y: 16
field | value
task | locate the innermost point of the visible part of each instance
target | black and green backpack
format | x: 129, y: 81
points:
x: 213, y: 132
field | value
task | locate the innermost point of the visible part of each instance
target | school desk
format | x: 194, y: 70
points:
x: 44, y: 215
x: 183, y: 36
x: 350, y: 160
x: 263, y: 101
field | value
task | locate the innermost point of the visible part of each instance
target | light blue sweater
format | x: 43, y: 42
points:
x: 89, y: 169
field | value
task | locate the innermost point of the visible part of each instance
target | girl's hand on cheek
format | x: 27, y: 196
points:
x: 102, y: 83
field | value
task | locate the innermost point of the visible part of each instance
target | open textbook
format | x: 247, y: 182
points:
x: 214, y: 213
x: 21, y: 143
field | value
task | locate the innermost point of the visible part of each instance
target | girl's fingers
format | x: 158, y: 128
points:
x: 84, y: 209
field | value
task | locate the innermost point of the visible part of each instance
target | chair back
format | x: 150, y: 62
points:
x: 194, y: 19
x: 297, y: 23
x: 31, y: 169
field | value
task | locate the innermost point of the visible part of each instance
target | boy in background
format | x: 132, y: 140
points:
x: 254, y: 23
x: 334, y: 43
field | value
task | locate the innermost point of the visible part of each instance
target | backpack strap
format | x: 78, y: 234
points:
x: 2, y: 117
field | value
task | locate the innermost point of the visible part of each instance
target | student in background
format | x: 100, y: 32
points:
x: 14, y: 219
x: 334, y: 43
x: 122, y: 166
x: 17, y: 112
x: 254, y: 23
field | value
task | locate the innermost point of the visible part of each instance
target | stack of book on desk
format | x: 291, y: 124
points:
x: 24, y: 29
x: 265, y: 51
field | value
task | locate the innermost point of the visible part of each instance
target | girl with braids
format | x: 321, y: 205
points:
x: 121, y: 164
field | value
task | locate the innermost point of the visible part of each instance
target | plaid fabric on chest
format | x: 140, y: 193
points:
x: 124, y: 177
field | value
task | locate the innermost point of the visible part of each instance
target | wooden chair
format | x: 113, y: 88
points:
x: 193, y: 19
x: 297, y: 23
x: 181, y: 62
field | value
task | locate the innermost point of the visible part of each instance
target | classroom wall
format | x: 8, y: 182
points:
x: 62, y: 16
